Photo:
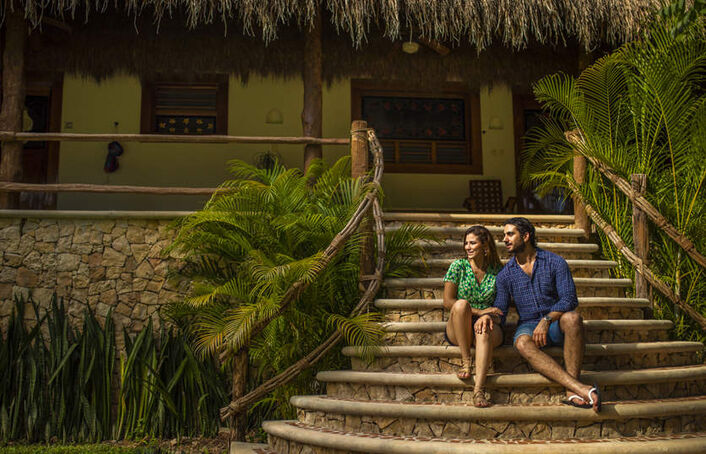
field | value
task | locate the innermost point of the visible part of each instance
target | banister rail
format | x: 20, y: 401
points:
x: 11, y: 136
x: 574, y: 138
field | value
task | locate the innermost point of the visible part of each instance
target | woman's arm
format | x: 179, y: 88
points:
x: 450, y: 291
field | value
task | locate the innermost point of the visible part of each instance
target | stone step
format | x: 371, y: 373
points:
x: 512, y: 388
x: 544, y: 234
x: 535, y: 421
x: 469, y: 219
x: 604, y: 331
x: 293, y: 437
x: 454, y: 249
x: 447, y: 359
x: 432, y: 287
x: 432, y: 310
x: 432, y: 267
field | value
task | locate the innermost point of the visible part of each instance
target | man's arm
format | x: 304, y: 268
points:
x: 565, y: 288
x: 502, y: 297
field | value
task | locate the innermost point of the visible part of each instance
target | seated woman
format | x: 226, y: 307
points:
x: 469, y: 292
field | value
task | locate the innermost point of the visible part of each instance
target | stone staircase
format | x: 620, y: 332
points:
x: 408, y: 400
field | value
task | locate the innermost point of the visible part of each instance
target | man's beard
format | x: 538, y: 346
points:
x: 517, y: 249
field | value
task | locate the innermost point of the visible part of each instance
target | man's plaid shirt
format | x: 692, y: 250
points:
x: 551, y: 287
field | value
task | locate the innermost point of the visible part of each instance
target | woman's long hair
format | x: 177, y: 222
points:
x: 486, y: 239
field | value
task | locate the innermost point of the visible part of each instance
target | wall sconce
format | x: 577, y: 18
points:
x: 495, y: 123
x: 274, y: 117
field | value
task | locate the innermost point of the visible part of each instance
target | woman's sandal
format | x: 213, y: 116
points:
x: 480, y: 400
x: 465, y: 372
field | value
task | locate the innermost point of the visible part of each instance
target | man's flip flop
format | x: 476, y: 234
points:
x: 571, y: 401
x: 599, y: 398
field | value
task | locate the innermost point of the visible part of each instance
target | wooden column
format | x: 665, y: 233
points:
x: 640, y: 233
x: 580, y: 215
x: 311, y: 114
x: 359, y: 148
x: 359, y: 167
x: 13, y: 100
x: 240, y: 383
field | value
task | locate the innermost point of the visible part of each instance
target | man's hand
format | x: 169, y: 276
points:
x: 540, y: 333
x: 483, y: 325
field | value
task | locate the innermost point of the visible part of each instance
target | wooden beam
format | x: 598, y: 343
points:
x: 311, y: 113
x: 580, y: 215
x: 103, y: 188
x: 13, y: 101
x: 10, y: 136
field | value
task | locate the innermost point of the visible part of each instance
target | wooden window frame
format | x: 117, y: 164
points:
x: 147, y: 117
x: 360, y: 88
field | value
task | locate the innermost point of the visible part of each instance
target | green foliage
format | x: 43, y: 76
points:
x: 56, y: 381
x: 246, y: 248
x: 79, y: 449
x: 640, y: 109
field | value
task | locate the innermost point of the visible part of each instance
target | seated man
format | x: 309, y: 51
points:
x: 541, y: 285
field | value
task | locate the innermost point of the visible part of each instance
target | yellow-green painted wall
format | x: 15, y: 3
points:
x: 92, y: 107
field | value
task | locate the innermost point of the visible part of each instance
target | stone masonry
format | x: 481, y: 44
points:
x: 103, y: 260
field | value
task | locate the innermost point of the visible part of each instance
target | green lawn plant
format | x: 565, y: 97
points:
x: 58, y: 383
x: 640, y: 109
x: 246, y: 248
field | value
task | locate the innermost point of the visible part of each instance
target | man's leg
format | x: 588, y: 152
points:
x: 571, y: 324
x: 545, y: 365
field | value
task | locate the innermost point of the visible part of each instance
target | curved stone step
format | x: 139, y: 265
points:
x: 447, y: 359
x: 592, y: 308
x: 432, y: 333
x: 431, y: 267
x: 438, y: 282
x: 293, y: 437
x: 432, y: 287
x: 536, y: 421
x: 556, y: 247
x: 544, y: 234
x: 486, y: 219
x: 513, y: 388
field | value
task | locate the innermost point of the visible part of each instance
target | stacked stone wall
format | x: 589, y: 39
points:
x: 102, y: 260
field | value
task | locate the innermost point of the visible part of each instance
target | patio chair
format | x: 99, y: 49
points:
x: 486, y: 196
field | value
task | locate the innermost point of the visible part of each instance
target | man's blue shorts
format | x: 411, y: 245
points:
x: 554, y: 335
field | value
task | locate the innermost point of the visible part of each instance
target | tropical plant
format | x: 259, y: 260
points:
x: 57, y: 381
x: 640, y: 110
x: 266, y: 230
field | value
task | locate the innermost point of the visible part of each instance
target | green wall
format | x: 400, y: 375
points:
x: 92, y: 107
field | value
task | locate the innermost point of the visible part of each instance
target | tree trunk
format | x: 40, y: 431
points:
x: 640, y: 234
x: 311, y: 114
x: 13, y: 89
x: 240, y: 382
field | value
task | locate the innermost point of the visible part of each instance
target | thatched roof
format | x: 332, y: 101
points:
x: 108, y: 44
x: 479, y: 23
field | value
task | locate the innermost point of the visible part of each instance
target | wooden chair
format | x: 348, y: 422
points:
x: 486, y: 196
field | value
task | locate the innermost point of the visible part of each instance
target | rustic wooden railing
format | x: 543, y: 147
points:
x: 642, y: 209
x: 9, y: 136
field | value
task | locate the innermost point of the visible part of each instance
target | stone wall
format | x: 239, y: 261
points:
x: 101, y: 259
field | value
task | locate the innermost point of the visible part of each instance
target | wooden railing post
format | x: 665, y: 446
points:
x: 359, y: 148
x: 640, y: 233
x: 359, y: 167
x: 580, y: 215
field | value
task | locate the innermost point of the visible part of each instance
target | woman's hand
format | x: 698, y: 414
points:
x: 492, y: 311
x: 483, y: 325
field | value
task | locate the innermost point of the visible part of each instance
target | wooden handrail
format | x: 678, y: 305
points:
x: 104, y: 188
x: 636, y: 261
x: 11, y: 136
x: 574, y: 138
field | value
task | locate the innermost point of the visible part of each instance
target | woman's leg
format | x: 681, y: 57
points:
x: 460, y: 332
x: 485, y: 344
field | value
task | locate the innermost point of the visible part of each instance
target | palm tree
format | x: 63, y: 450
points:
x: 263, y: 232
x: 640, y: 109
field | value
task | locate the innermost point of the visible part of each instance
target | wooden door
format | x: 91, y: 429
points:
x: 40, y: 160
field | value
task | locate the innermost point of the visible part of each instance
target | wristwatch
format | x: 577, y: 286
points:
x: 547, y: 319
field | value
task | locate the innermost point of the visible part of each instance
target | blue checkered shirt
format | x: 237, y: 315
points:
x: 550, y: 289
